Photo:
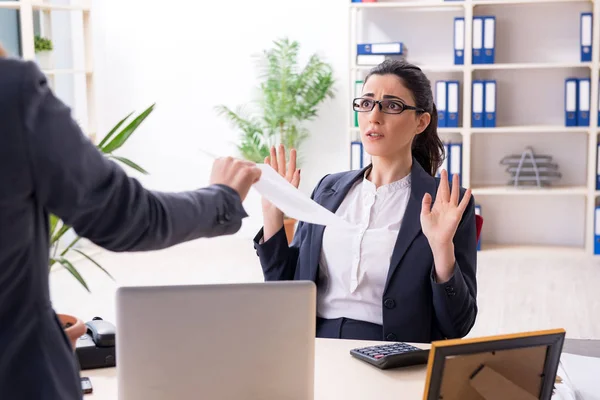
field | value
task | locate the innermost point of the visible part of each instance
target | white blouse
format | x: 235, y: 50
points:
x: 354, y: 263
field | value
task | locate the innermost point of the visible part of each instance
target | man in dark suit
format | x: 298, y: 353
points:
x: 48, y: 166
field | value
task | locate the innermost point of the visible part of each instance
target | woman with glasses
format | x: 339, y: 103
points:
x: 407, y: 270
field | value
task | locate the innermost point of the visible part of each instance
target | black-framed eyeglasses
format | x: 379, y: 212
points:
x: 387, y: 106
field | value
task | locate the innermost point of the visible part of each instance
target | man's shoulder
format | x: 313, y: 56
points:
x: 14, y: 72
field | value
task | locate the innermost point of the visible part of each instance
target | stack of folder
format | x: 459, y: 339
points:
x: 484, y: 104
x: 447, y: 100
x: 452, y: 163
x: 484, y: 38
x: 376, y: 53
x: 577, y: 101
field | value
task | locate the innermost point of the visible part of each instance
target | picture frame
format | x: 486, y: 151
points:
x: 520, y: 366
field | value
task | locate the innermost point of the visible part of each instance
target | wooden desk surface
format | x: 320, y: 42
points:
x: 338, y: 375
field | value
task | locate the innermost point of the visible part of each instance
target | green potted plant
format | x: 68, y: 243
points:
x: 60, y: 255
x: 43, y: 52
x: 289, y: 96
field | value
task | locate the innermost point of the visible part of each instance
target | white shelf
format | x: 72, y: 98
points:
x: 81, y: 5
x: 530, y: 70
x: 532, y: 129
x: 424, y: 67
x: 13, y: 5
x: 426, y: 4
x: 519, y: 2
x: 509, y: 190
x: 531, y: 66
x: 66, y: 71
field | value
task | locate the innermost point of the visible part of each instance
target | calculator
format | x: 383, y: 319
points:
x: 394, y: 355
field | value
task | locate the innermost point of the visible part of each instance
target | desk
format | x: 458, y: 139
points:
x: 338, y: 375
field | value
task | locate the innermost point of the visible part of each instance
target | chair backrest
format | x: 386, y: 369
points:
x: 479, y: 224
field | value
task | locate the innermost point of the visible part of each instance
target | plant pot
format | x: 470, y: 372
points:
x: 45, y: 60
x: 290, y: 226
x: 74, y: 327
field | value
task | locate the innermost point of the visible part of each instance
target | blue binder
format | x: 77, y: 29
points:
x: 390, y: 48
x: 356, y: 155
x: 585, y: 37
x: 445, y: 161
x: 583, y: 107
x: 452, y: 103
x: 489, y: 39
x: 455, y: 161
x: 571, y: 100
x: 478, y: 104
x: 597, y: 231
x: 477, y: 40
x: 459, y: 40
x: 490, y: 103
x: 478, y: 212
x: 441, y: 102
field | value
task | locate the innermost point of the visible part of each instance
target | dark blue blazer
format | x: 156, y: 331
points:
x: 47, y: 165
x: 415, y: 307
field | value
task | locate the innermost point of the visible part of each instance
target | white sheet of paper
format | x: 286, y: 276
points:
x: 582, y: 374
x: 292, y: 201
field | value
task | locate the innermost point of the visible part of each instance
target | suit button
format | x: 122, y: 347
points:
x: 391, y: 336
x: 389, y: 303
x: 227, y: 217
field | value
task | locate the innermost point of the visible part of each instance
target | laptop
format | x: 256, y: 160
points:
x: 218, y: 341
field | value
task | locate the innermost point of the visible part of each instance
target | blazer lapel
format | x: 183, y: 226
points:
x: 330, y: 198
x: 421, y: 183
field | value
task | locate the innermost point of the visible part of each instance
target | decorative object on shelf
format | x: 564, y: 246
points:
x: 529, y: 169
x: 111, y: 142
x: 43, y: 52
x: 290, y: 96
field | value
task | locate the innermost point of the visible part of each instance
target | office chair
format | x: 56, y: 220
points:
x: 479, y: 224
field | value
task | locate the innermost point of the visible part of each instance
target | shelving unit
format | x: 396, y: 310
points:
x: 537, y: 46
x: 72, y: 78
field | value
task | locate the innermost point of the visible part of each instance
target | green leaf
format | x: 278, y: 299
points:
x: 95, y: 263
x: 129, y: 163
x: 69, y: 267
x: 113, y: 130
x: 120, y: 139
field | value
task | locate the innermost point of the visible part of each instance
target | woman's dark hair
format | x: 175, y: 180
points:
x: 427, y: 147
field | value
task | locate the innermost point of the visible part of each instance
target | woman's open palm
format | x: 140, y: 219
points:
x: 277, y: 160
x: 439, y: 223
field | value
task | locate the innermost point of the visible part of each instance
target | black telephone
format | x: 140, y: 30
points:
x: 96, y: 349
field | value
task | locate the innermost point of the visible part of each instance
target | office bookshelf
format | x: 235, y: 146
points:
x: 72, y: 78
x: 537, y: 47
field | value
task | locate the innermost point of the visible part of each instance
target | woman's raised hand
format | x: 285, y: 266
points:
x: 273, y: 217
x: 439, y: 223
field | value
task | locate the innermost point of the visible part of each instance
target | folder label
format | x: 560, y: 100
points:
x: 452, y: 89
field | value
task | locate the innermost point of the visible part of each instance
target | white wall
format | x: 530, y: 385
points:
x: 188, y: 58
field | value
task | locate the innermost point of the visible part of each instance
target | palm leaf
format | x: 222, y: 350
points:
x: 124, y: 135
x: 94, y: 262
x: 69, y: 267
x: 111, y: 133
x: 129, y: 163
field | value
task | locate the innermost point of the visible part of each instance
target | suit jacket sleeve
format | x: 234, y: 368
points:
x: 277, y: 258
x: 455, y: 301
x: 77, y: 183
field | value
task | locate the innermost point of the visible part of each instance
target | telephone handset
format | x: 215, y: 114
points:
x: 96, y: 349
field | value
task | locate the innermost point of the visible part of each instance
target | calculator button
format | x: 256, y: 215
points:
x: 378, y: 356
